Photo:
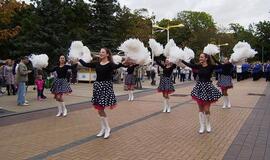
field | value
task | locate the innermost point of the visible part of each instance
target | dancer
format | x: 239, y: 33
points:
x: 60, y: 85
x: 166, y: 83
x: 225, y: 80
x: 204, y: 92
x: 130, y: 80
x: 103, y: 94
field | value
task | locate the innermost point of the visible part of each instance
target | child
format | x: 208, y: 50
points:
x: 40, y: 84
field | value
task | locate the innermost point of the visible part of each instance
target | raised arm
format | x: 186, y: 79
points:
x: 195, y: 66
x: 89, y: 65
x: 116, y: 66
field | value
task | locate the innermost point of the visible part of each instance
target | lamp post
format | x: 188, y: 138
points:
x: 220, y: 54
x: 168, y: 29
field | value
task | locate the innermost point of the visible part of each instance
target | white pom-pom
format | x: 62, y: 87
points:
x: 189, y: 54
x: 156, y: 47
x: 86, y: 56
x: 242, y: 51
x: 169, y: 45
x: 176, y: 54
x: 135, y: 50
x: 117, y: 59
x: 211, y: 49
x: 75, y: 50
x: 39, y: 61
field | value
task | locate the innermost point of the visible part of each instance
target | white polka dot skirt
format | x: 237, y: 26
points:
x: 206, y: 92
x: 225, y: 81
x: 130, y: 79
x: 60, y: 85
x: 103, y: 95
x: 166, y: 85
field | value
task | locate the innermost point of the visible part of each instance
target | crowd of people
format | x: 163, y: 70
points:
x: 14, y: 76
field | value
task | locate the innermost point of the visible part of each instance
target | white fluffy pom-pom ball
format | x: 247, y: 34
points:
x: 86, y: 56
x: 117, y: 59
x: 211, y: 49
x: 75, y: 50
x: 242, y: 51
x: 176, y: 54
x: 39, y: 61
x: 168, y: 46
x: 189, y: 54
x: 156, y: 47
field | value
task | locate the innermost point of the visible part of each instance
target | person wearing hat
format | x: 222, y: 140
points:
x: 21, y: 79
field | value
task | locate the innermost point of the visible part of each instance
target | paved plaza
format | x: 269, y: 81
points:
x: 140, y: 131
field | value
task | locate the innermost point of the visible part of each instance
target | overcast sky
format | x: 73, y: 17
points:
x: 224, y: 12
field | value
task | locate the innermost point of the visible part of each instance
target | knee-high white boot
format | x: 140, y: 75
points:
x: 64, y: 109
x: 107, y: 128
x: 207, y: 122
x: 60, y: 111
x: 165, y: 105
x: 102, y: 130
x: 228, y: 102
x: 202, y: 122
x: 168, y: 106
x: 131, y: 95
x: 225, y: 101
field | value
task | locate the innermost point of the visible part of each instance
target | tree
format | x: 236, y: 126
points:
x: 103, y: 23
x: 200, y: 27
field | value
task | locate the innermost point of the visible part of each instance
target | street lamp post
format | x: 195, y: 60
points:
x: 168, y: 29
x: 220, y: 54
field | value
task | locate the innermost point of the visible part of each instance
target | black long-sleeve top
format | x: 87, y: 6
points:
x: 130, y: 69
x: 62, y: 72
x: 204, y: 73
x: 226, y: 69
x: 104, y: 72
x: 167, y: 71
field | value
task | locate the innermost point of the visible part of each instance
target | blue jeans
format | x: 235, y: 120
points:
x: 21, y: 93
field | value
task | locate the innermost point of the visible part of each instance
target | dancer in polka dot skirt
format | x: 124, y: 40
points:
x: 166, y: 84
x: 130, y: 80
x: 60, y: 85
x: 204, y: 92
x: 225, y: 80
x: 103, y: 94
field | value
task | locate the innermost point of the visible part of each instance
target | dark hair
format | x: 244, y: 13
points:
x: 209, y: 59
x: 108, y: 51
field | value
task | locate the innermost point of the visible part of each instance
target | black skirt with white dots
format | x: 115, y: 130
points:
x: 60, y: 86
x: 205, y: 93
x: 103, y: 95
x: 166, y: 85
x: 225, y: 81
x: 130, y: 79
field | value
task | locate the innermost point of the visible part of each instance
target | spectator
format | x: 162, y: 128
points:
x: 9, y: 77
x: 21, y: 79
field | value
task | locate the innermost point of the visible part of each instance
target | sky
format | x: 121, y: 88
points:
x: 224, y: 12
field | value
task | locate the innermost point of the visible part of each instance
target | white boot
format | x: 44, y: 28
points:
x: 102, y: 130
x: 60, y: 111
x: 165, y: 105
x: 131, y: 96
x: 207, y: 122
x: 107, y: 128
x: 168, y: 106
x: 228, y: 103
x: 225, y: 102
x: 202, y: 122
x: 64, y: 109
